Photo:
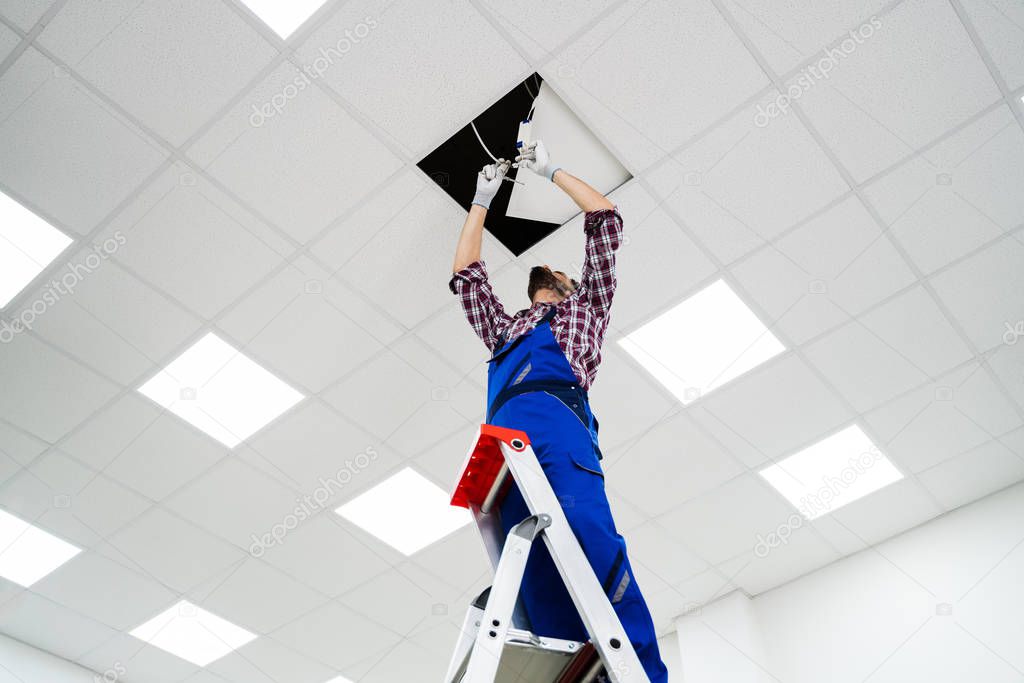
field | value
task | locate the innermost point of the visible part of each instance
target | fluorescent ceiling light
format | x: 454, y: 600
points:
x: 339, y: 679
x: 702, y: 343
x: 283, y: 17
x: 28, y: 553
x: 220, y: 391
x: 406, y: 511
x: 832, y: 473
x: 28, y: 244
x: 193, y: 634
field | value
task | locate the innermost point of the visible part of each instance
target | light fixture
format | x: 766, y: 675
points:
x: 28, y: 553
x: 406, y: 511
x: 217, y: 389
x: 832, y: 473
x: 702, y: 343
x: 192, y: 633
x: 283, y: 17
x: 28, y: 244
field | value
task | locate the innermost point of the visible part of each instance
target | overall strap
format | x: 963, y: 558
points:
x: 503, y: 337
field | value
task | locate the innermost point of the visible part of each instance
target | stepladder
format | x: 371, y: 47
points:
x: 496, y: 643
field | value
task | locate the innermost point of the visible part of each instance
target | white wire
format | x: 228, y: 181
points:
x: 482, y: 143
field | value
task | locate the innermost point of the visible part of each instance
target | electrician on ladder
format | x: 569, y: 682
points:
x: 544, y: 359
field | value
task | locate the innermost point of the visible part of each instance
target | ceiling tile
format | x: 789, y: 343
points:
x: 889, y: 511
x: 1008, y: 365
x: 30, y: 617
x: 108, y: 318
x: 19, y: 445
x: 659, y: 561
x: 746, y: 181
x: 46, y: 393
x: 1000, y: 25
x: 625, y: 400
x: 52, y: 132
x: 267, y: 660
x: 382, y: 393
x: 283, y: 599
x: 174, y: 552
x: 187, y: 58
x: 741, y: 509
x: 406, y: 266
x: 106, y: 591
x: 958, y: 195
x: 8, y: 41
x: 311, y: 446
x: 328, y: 556
x: 303, y: 278
x: 24, y: 13
x: 71, y: 500
x: 788, y: 34
x: 454, y: 84
x: 163, y: 456
x: 652, y: 244
x: 992, y: 276
x: 234, y: 501
x: 190, y: 240
x: 305, y: 141
x: 766, y: 567
x: 405, y: 599
x: 757, y: 421
x: 673, y: 462
x: 318, y: 633
x: 614, y: 72
x: 539, y: 28
x: 913, y: 325
x: 978, y: 472
x: 309, y: 337
x: 865, y: 369
x: 409, y: 661
x: 917, y: 76
x: 959, y: 411
x: 834, y: 266
x: 356, y: 228
x: 135, y: 658
x: 113, y: 429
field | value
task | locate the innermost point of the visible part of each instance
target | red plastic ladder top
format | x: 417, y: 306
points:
x: 484, y: 463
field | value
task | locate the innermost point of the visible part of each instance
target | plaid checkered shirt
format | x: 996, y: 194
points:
x: 580, y: 320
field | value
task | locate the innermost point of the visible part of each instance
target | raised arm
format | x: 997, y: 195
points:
x: 469, y: 280
x: 602, y: 225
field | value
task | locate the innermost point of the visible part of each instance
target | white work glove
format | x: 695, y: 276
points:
x: 488, y: 182
x: 535, y: 157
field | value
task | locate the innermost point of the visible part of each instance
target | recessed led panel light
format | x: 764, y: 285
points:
x: 406, y: 511
x: 220, y: 391
x: 832, y: 473
x: 283, y: 17
x: 702, y: 343
x: 28, y: 553
x: 27, y: 245
x: 339, y: 679
x: 193, y: 634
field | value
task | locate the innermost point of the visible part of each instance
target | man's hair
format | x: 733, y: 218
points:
x: 542, y: 278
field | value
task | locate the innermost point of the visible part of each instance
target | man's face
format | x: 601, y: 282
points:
x: 542, y: 277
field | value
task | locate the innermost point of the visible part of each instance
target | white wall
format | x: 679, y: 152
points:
x: 941, y: 603
x: 21, y: 663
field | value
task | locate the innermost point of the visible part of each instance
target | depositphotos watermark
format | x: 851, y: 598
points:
x: 73, y: 275
x: 111, y: 675
x: 328, y: 57
x: 821, y: 69
x: 819, y: 502
x: 308, y: 505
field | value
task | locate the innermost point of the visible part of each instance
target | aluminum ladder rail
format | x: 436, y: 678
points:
x: 495, y: 643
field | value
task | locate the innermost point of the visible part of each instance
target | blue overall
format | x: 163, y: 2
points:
x: 532, y: 387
